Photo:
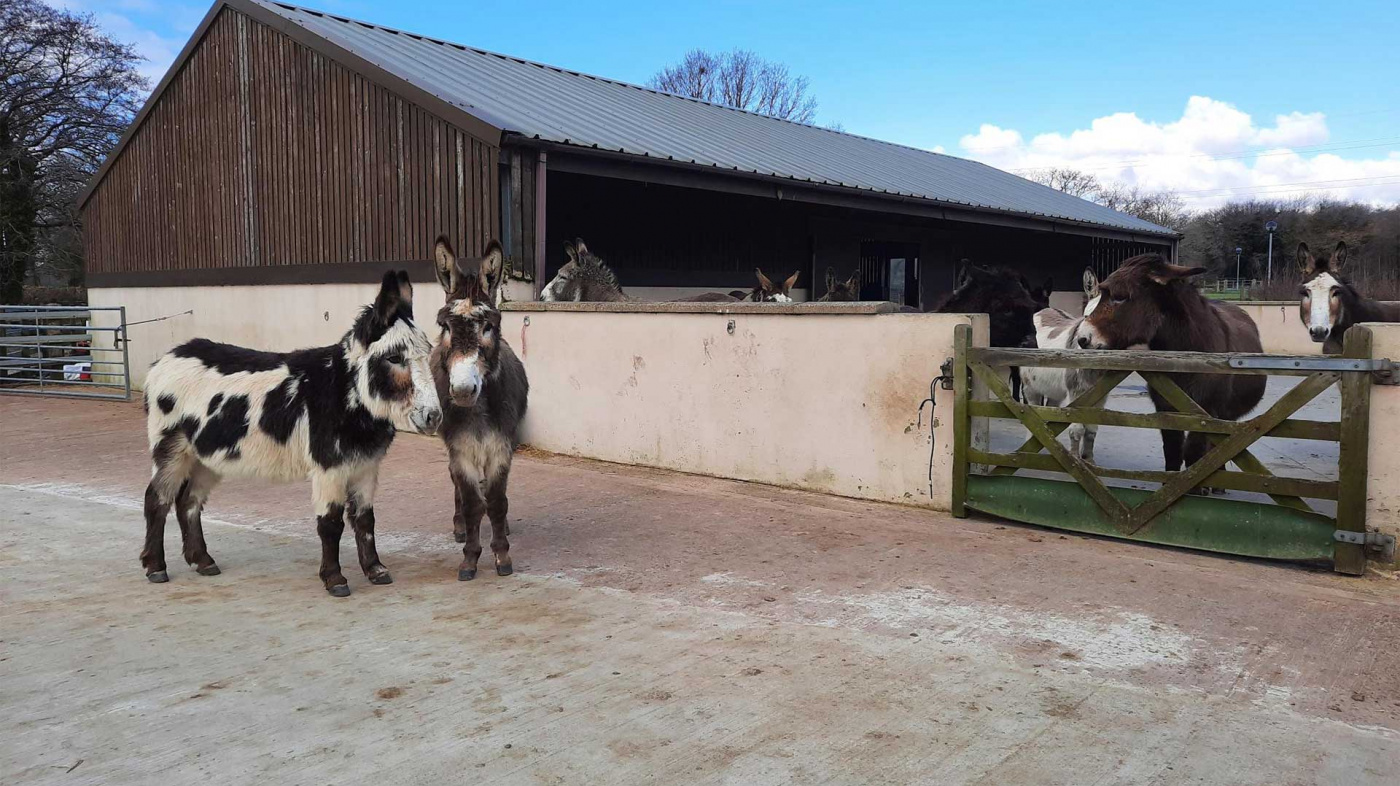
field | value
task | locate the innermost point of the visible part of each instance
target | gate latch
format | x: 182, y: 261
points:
x: 1377, y: 542
x: 945, y: 374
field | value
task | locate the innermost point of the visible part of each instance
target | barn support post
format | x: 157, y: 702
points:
x: 541, y: 259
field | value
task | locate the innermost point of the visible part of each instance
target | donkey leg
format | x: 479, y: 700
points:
x: 1197, y: 445
x: 1087, y: 450
x: 359, y: 508
x: 172, y: 458
x: 189, y: 507
x: 1171, y: 449
x: 328, y: 494
x: 497, y: 506
x: 472, y: 509
x: 459, y: 528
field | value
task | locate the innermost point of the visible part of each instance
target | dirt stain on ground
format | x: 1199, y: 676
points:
x: 391, y: 692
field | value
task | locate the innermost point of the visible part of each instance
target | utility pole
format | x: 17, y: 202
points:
x: 1271, y: 227
x: 1238, y: 251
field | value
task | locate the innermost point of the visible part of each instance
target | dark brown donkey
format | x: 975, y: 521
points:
x: 1150, y: 301
x: 1330, y: 304
x: 1006, y: 300
x: 1000, y: 294
x: 483, y: 389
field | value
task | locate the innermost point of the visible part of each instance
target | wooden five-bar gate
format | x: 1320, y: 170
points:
x: 1289, y: 528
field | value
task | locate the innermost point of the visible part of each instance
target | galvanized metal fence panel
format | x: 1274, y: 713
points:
x: 55, y: 351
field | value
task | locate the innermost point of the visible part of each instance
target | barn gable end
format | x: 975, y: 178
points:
x: 263, y: 161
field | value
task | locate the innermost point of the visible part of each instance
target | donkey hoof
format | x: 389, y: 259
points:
x: 339, y: 590
x: 208, y: 570
x: 460, y: 537
x: 465, y: 574
x: 504, y: 570
x: 382, y: 578
x: 158, y: 577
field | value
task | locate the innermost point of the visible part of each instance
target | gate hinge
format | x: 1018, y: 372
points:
x: 1379, y: 542
x: 1377, y: 366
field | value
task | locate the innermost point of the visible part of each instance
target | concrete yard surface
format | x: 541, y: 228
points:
x: 660, y: 628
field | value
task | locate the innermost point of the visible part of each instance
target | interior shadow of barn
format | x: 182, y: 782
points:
x: 665, y: 241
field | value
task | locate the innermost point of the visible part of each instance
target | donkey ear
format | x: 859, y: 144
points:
x: 1091, y: 283
x: 1306, y: 262
x: 391, y: 301
x: 579, y: 247
x: 488, y: 276
x: 570, y: 251
x: 1167, y: 273
x: 445, y: 264
x: 791, y: 281
x: 854, y: 281
x: 1339, y: 257
x: 763, y: 281
x: 830, y: 278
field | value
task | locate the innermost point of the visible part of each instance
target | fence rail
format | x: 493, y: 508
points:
x: 54, y: 351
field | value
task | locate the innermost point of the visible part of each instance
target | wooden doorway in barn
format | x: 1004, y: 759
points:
x: 890, y: 271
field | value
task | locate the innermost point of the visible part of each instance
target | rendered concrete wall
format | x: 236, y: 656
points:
x: 277, y: 318
x: 1280, y: 329
x: 1383, y: 482
x: 827, y: 402
x: 823, y: 397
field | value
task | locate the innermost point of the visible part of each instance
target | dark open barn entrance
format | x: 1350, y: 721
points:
x: 664, y: 239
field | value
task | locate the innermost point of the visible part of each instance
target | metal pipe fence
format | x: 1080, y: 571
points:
x: 60, y: 351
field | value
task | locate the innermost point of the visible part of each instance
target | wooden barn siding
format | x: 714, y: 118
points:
x: 517, y: 172
x: 263, y: 153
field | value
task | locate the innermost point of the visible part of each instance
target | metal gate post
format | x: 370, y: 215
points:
x: 126, y: 356
x: 1350, y: 557
x: 962, y: 420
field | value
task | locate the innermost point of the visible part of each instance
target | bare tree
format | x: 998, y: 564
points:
x: 67, y: 91
x: 1070, y: 181
x: 1162, y: 207
x: 741, y: 79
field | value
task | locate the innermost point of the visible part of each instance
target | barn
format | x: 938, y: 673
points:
x: 290, y: 155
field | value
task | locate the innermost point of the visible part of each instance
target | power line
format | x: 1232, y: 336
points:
x: 1281, y: 189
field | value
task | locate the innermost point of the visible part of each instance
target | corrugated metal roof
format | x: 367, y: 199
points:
x: 567, y: 107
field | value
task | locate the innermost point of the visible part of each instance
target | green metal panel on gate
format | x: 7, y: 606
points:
x: 1249, y: 529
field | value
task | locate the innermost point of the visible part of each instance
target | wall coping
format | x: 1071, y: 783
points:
x: 865, y: 308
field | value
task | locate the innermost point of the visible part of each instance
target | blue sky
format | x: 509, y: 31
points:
x: 1179, y: 95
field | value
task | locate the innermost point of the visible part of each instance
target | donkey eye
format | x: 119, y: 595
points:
x: 396, y: 358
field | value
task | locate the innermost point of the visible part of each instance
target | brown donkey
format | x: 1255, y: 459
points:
x: 1330, y: 304
x: 484, y: 390
x: 1150, y: 301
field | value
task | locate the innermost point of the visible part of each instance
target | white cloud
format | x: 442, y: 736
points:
x: 158, y: 30
x: 1213, y: 152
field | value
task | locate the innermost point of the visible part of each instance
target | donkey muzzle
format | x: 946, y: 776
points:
x: 427, y: 421
x: 1319, y: 334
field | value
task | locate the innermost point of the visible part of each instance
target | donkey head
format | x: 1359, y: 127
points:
x: 1132, y: 303
x: 389, y: 357
x: 847, y: 291
x: 585, y: 278
x: 1325, y: 294
x: 469, y: 347
x: 768, y: 292
x: 999, y: 294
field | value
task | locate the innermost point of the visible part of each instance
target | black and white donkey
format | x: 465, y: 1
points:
x: 329, y: 413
